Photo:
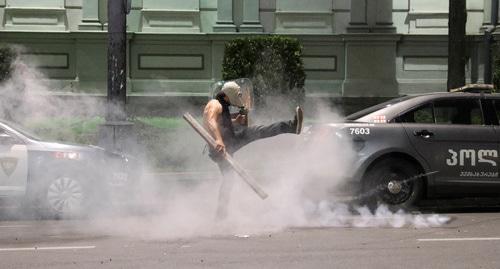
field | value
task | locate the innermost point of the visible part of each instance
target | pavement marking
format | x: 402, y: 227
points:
x: 459, y: 239
x: 47, y: 248
x: 14, y: 226
x: 12, y: 188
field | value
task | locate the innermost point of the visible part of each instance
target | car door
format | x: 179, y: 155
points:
x: 451, y: 135
x: 13, y: 164
x: 493, y: 105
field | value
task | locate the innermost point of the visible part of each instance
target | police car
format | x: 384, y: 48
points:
x: 54, y: 178
x: 438, y: 145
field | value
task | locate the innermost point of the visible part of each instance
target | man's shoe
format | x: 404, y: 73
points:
x: 297, y: 121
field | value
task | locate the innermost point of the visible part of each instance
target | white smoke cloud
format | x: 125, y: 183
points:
x: 297, y: 176
x: 299, y: 179
x: 29, y: 95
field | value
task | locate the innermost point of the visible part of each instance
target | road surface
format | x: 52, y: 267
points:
x: 468, y: 240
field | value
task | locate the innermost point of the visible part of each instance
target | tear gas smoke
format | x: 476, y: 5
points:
x: 299, y: 178
x: 27, y: 96
x: 297, y: 175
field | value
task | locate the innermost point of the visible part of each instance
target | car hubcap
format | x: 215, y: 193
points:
x: 397, y: 190
x: 394, y: 187
x: 65, y: 195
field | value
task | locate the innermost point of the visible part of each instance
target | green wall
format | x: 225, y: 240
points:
x: 352, y: 48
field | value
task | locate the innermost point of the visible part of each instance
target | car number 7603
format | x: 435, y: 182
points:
x: 360, y: 131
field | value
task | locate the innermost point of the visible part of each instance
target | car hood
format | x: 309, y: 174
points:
x: 88, y: 149
x: 323, y: 127
x: 57, y: 146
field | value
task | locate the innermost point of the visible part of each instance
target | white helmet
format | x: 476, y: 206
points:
x: 233, y: 91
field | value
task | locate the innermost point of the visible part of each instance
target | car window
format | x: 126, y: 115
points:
x: 422, y: 114
x: 7, y: 138
x: 496, y: 104
x: 458, y: 111
x: 490, y: 111
x: 450, y: 111
x: 21, y: 130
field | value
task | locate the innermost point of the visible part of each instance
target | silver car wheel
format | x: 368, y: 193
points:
x: 65, y: 195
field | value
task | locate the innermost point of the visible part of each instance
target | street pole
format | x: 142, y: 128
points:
x: 117, y: 63
x: 456, y: 43
x: 117, y: 134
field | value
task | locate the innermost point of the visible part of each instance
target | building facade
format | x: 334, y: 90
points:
x: 352, y: 48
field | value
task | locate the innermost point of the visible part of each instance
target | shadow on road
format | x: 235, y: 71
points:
x: 468, y: 205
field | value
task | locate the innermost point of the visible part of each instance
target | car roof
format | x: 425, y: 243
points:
x: 438, y: 95
x: 396, y: 106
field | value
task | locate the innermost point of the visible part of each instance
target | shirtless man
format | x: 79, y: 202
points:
x: 232, y: 133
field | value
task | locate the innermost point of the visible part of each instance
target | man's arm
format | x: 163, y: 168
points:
x: 211, y: 120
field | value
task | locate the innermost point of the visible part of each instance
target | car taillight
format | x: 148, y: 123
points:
x: 66, y: 155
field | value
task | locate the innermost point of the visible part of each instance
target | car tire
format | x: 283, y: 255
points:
x: 393, y: 182
x: 63, y: 196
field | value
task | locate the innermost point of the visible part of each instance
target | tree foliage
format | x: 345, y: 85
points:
x: 273, y: 63
x: 496, y: 67
x: 7, y: 57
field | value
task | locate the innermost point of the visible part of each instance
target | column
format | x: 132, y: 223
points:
x: 488, y: 22
x: 383, y: 17
x: 359, y: 17
x: 251, y: 20
x: 103, y: 13
x: 371, y: 16
x: 224, y: 21
x: 90, y: 16
x: 487, y: 14
x: 496, y: 4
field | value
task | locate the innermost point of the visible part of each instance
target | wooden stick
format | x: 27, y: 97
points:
x: 236, y: 167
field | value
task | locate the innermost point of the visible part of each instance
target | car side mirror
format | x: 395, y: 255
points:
x: 6, y: 139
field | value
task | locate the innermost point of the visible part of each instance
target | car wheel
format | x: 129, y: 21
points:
x: 64, y: 197
x: 393, y: 182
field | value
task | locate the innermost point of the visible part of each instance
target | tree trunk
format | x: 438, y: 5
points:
x: 456, y: 43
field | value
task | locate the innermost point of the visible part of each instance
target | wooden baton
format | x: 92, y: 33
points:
x: 236, y: 167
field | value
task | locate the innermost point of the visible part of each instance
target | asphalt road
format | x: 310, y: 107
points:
x: 468, y: 240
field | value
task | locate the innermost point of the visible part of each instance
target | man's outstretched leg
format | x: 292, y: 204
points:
x: 256, y: 132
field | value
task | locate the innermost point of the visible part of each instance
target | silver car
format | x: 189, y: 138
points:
x: 58, y: 179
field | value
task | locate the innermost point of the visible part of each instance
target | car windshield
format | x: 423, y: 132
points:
x: 21, y: 130
x: 360, y: 115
